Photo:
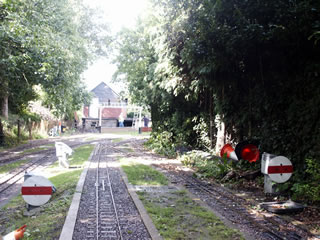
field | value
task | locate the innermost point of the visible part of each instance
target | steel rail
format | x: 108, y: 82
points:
x: 245, y: 216
x: 30, y: 166
x: 20, y: 174
x: 285, y: 232
x: 97, y: 194
x: 113, y: 202
x: 101, y: 148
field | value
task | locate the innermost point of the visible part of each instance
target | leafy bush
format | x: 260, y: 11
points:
x: 162, y: 143
x: 308, y: 190
x: 202, y: 130
x: 10, y: 130
x: 206, y: 164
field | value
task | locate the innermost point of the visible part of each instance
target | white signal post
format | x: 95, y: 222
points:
x: 36, y: 190
x: 276, y: 169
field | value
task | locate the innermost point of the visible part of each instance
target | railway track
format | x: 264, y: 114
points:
x: 107, y: 219
x: 106, y: 209
x: 238, y: 210
x: 9, y: 157
x: 9, y: 182
x: 17, y: 174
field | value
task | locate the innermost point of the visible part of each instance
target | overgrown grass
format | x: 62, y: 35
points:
x: 139, y: 174
x: 8, y: 167
x: 48, y: 220
x: 177, y: 216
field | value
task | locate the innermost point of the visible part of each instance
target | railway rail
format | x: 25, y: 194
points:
x: 106, y: 209
x: 7, y: 156
x: 9, y: 182
x: 237, y: 209
x: 11, y: 178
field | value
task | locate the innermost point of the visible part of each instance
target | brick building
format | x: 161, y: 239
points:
x: 105, y: 108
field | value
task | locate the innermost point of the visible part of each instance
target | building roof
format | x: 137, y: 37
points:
x: 105, y: 93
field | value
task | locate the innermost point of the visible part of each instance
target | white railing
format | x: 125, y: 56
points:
x: 113, y: 104
x: 137, y: 109
x: 118, y: 105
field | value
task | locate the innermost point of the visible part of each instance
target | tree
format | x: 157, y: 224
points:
x: 253, y: 63
x: 47, y: 43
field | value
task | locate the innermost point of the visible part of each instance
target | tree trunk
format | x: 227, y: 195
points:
x: 211, y: 118
x: 4, y: 107
x: 19, y: 130
x: 30, y: 129
x: 1, y: 133
x: 221, y: 134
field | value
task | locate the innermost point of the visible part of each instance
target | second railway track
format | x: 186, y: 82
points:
x: 238, y: 210
x: 10, y: 182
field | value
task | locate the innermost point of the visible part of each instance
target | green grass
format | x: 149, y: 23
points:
x: 117, y: 140
x: 134, y: 133
x: 48, y: 220
x: 8, y: 167
x: 79, y: 156
x: 37, y: 149
x: 177, y: 216
x: 139, y: 174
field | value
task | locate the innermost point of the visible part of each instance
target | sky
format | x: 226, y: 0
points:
x: 119, y: 13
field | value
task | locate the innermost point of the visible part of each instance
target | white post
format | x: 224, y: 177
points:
x: 140, y: 110
x: 100, y: 116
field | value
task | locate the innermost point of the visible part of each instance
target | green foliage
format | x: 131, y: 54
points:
x: 191, y: 60
x: 202, y: 130
x: 206, y: 164
x: 47, y: 44
x: 10, y: 128
x: 10, y: 134
x: 29, y: 117
x: 309, y: 188
x: 130, y: 115
x: 162, y: 143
